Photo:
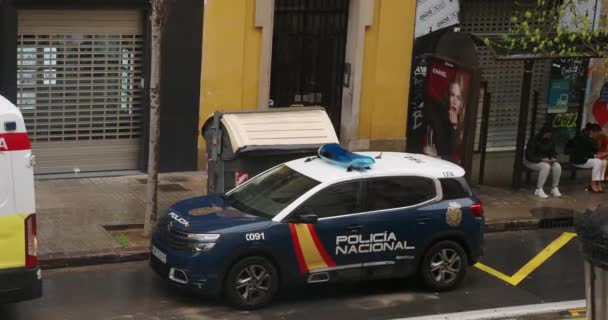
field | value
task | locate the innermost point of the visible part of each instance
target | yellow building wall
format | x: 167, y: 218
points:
x: 386, y: 75
x: 230, y: 62
x: 231, y: 66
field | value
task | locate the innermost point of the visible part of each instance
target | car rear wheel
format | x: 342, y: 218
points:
x: 251, y: 283
x: 444, y: 266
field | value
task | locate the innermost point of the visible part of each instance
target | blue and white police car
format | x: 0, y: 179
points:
x: 312, y: 221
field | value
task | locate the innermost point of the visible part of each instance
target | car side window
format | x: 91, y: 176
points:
x: 337, y: 200
x: 398, y: 192
x: 455, y: 188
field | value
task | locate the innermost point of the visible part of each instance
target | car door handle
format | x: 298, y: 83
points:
x: 354, y: 228
x: 423, y: 220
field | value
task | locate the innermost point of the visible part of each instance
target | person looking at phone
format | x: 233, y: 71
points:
x: 541, y: 157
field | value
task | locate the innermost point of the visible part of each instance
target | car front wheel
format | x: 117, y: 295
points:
x: 444, y: 266
x: 251, y: 283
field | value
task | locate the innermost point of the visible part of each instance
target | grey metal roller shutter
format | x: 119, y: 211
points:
x: 79, y: 87
x: 504, y: 78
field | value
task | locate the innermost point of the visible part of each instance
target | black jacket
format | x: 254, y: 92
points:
x: 583, y: 149
x: 437, y: 117
x: 539, y: 148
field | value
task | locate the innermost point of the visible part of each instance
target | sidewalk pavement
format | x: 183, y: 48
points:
x: 73, y: 213
x: 509, y: 209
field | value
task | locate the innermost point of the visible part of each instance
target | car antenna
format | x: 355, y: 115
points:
x: 311, y: 158
x: 380, y: 155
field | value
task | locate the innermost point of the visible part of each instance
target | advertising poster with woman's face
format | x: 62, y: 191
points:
x: 444, y: 112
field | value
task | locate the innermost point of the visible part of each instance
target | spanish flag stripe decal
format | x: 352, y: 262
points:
x: 310, y: 252
x: 297, y: 248
x: 326, y: 257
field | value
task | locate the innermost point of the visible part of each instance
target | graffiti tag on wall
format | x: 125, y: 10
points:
x: 417, y: 102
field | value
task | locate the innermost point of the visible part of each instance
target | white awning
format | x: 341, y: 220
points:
x: 284, y: 129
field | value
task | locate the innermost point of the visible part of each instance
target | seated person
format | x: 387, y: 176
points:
x: 602, y: 144
x: 540, y: 156
x: 584, y: 153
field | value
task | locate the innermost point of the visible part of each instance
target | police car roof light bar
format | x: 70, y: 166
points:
x: 334, y: 154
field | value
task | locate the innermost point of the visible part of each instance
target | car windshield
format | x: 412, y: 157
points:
x: 269, y: 193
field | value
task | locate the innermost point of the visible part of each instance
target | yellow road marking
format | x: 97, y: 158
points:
x: 533, y: 264
x: 576, y: 314
x: 494, y: 272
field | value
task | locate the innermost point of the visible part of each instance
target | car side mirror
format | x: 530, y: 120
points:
x: 306, y: 218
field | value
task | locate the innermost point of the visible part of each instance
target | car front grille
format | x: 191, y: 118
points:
x: 173, y: 237
x: 176, y: 240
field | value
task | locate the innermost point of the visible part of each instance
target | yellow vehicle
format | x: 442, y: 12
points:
x: 20, y: 275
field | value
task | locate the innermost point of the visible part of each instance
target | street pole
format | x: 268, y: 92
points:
x: 483, y: 136
x: 523, y: 120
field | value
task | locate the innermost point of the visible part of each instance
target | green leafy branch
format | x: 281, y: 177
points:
x: 538, y: 29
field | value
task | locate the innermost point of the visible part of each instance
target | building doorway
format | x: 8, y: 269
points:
x: 308, y: 54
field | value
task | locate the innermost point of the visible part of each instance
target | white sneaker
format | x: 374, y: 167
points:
x: 555, y: 192
x: 541, y: 194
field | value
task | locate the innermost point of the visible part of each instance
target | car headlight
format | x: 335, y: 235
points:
x: 202, y: 241
x: 203, y: 236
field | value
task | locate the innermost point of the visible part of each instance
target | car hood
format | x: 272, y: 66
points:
x: 210, y: 214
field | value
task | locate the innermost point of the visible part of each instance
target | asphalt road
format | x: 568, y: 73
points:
x: 132, y: 291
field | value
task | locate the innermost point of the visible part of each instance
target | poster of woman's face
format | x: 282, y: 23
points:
x: 444, y: 112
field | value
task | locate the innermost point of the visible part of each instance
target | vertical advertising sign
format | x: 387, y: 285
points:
x: 564, y: 99
x: 433, y: 15
x: 559, y: 96
x: 442, y: 129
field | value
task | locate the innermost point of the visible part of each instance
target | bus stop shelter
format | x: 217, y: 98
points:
x: 529, y: 58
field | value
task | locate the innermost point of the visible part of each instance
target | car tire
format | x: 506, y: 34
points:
x: 256, y: 292
x: 444, y: 266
